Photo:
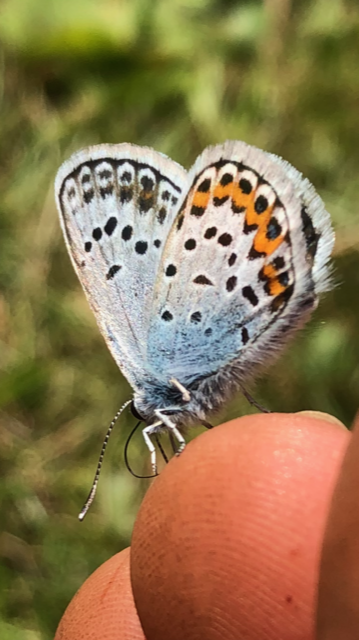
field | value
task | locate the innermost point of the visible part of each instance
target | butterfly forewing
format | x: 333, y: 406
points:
x: 233, y: 270
x: 117, y: 204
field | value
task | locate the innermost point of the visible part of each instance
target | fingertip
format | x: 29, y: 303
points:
x: 228, y: 538
x: 103, y: 607
x: 338, y: 599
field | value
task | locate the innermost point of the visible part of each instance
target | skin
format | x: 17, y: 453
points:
x: 228, y: 541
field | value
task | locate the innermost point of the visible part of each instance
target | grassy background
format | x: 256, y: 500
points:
x: 176, y: 75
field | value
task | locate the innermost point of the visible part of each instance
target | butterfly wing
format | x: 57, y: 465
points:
x: 244, y: 261
x: 116, y: 205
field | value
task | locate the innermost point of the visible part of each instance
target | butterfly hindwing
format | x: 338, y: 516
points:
x: 240, y: 268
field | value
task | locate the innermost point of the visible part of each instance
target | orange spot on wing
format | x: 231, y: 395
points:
x: 223, y: 191
x: 241, y: 199
x: 269, y: 271
x: 200, y: 199
x: 274, y: 286
x: 261, y: 219
x: 261, y: 243
x: 264, y: 245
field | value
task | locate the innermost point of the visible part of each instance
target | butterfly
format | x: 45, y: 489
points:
x: 195, y: 278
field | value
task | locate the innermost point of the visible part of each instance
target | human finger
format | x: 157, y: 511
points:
x: 338, y: 600
x: 103, y: 609
x: 228, y: 538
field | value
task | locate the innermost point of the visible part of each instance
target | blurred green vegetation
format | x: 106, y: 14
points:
x: 176, y: 75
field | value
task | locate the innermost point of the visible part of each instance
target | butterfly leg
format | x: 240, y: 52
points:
x: 252, y: 401
x: 147, y: 432
x: 172, y: 429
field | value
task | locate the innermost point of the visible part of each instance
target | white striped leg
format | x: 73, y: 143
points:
x: 147, y: 432
x: 172, y: 429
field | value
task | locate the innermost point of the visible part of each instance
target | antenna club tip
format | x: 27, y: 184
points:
x: 92, y: 493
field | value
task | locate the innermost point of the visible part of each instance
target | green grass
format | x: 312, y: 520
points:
x: 177, y: 76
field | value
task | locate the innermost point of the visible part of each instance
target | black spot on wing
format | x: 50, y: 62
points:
x: 245, y: 186
x: 190, y: 244
x: 202, y: 279
x: 197, y: 211
x: 161, y: 216
x: 127, y: 233
x: 106, y: 191
x: 126, y: 194
x: 283, y: 278
x: 310, y: 234
x: 204, y: 186
x: 105, y: 174
x: 225, y: 239
x: 110, y: 225
x: 278, y: 263
x: 171, y: 270
x: 167, y: 316
x: 141, y: 247
x: 210, y: 233
x: 112, y: 271
x: 145, y: 202
x: 219, y: 201
x: 248, y: 228
x: 237, y: 209
x: 147, y: 183
x: 88, y: 195
x: 254, y: 254
x: 274, y: 229
x: 261, y: 204
x: 231, y: 283
x: 126, y: 177
x: 250, y: 295
x: 227, y: 178
x: 180, y: 222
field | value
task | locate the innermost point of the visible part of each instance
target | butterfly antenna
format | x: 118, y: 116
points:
x: 206, y: 424
x: 92, y: 493
x: 252, y: 401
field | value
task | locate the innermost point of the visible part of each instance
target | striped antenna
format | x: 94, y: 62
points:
x: 92, y: 493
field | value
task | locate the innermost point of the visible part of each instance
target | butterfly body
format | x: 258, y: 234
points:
x: 195, y: 278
